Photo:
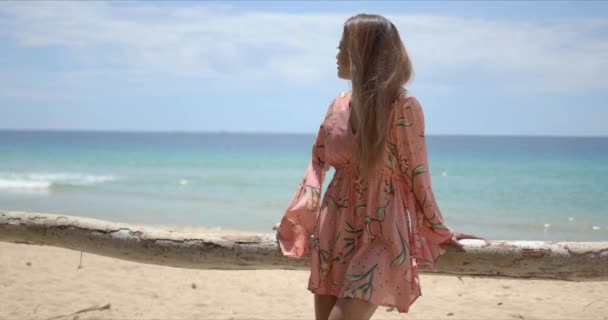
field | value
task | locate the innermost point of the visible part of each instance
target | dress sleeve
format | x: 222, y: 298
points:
x: 429, y: 230
x: 297, y: 224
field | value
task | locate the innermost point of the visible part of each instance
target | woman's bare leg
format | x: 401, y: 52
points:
x: 323, y: 305
x: 352, y: 309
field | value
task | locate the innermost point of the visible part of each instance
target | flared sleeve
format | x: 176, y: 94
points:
x: 298, y: 222
x: 428, y: 227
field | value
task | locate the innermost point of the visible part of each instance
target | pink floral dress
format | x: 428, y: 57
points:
x: 368, y: 237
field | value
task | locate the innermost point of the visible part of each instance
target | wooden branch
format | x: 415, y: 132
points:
x: 106, y: 306
x: 522, y: 259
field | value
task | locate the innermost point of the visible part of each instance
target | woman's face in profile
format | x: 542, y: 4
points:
x: 343, y: 63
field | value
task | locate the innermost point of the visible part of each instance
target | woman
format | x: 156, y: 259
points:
x: 378, y: 222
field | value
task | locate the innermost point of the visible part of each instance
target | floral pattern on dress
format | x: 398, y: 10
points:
x: 367, y: 237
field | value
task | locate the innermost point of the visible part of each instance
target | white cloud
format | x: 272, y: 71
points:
x: 563, y: 54
x: 215, y: 42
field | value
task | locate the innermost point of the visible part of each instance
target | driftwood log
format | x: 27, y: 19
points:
x: 578, y: 261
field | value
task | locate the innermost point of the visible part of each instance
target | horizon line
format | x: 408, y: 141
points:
x: 279, y: 133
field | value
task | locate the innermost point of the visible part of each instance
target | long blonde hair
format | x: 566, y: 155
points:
x: 379, y: 67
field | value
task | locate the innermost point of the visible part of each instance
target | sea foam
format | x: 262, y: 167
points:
x: 34, y: 181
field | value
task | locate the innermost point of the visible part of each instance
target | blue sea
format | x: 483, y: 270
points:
x: 524, y: 188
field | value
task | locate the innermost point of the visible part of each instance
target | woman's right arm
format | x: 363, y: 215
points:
x: 413, y: 163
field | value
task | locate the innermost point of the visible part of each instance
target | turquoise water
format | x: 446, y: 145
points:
x: 527, y: 188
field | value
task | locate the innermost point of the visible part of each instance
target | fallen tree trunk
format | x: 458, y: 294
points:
x: 577, y: 261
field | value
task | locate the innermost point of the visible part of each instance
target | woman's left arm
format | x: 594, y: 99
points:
x: 297, y: 225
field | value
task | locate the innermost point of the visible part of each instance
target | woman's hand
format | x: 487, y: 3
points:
x: 453, y: 242
x: 276, y: 236
x: 287, y: 242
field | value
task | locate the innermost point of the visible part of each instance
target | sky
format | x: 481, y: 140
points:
x: 481, y: 67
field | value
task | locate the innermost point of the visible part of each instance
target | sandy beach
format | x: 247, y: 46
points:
x: 38, y: 282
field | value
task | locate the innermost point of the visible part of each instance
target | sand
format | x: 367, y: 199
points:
x: 38, y: 282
